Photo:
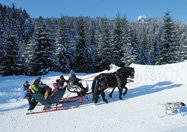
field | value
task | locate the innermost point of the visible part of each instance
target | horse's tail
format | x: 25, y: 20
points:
x: 95, y: 86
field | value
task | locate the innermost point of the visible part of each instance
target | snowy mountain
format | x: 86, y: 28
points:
x: 140, y: 111
x: 141, y: 18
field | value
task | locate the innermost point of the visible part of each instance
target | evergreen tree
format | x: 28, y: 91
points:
x: 155, y: 51
x: 154, y: 40
x: 12, y: 31
x: 104, y: 44
x: 11, y: 64
x: 30, y: 61
x: 183, y: 46
x: 91, y: 46
x: 124, y: 44
x: 181, y: 40
x: 63, y: 55
x: 134, y: 43
x: 142, y: 30
x: 45, y: 51
x: 41, y: 60
x: 169, y: 49
x: 119, y: 41
x: 81, y: 50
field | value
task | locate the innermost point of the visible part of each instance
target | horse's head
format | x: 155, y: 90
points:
x: 131, y: 72
x: 126, y: 72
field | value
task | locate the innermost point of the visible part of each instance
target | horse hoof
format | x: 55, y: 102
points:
x: 106, y: 101
x: 120, y: 98
x: 95, y: 104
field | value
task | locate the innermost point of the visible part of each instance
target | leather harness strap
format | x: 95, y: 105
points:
x: 118, y: 79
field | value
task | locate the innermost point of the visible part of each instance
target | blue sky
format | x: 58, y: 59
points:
x: 131, y: 9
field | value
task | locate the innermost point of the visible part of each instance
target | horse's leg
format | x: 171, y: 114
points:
x: 101, y: 90
x: 95, y: 93
x: 96, y: 98
x: 103, y: 96
x: 120, y: 92
x: 110, y: 95
x: 126, y: 89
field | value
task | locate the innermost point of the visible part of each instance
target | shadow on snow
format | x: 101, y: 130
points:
x: 145, y: 89
x: 13, y: 108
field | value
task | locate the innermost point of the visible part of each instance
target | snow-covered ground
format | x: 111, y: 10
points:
x: 140, y: 111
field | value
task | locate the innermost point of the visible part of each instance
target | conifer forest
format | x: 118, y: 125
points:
x: 35, y: 46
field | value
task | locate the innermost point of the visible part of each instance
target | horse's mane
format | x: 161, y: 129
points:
x: 124, y: 70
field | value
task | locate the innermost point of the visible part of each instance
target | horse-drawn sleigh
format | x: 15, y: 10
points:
x: 100, y: 83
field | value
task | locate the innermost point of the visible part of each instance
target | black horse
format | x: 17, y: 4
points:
x: 111, y: 80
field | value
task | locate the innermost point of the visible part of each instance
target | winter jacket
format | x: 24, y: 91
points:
x: 26, y: 86
x: 73, y: 78
x: 61, y: 82
x: 36, y: 88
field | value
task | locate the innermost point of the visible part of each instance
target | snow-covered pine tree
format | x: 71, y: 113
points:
x: 143, y: 40
x: 153, y: 35
x: 81, y: 49
x: 26, y: 27
x: 12, y: 23
x: 155, y: 50
x: 11, y: 64
x: 169, y: 41
x: 134, y: 43
x: 29, y: 56
x: 181, y: 32
x: 118, y: 41
x: 122, y: 41
x: 104, y: 45
x: 43, y: 54
x: 3, y: 45
x: 183, y: 46
x: 90, y: 37
x: 1, y: 36
x: 62, y: 54
x: 45, y: 51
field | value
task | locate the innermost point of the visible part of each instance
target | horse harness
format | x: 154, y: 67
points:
x: 118, y: 79
x: 115, y: 75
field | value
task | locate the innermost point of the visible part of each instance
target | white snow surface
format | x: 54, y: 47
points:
x: 139, y: 111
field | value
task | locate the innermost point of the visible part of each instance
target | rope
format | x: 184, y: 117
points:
x: 88, y: 77
x: 94, y: 76
x: 85, y: 80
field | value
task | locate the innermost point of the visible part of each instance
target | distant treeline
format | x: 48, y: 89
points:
x: 34, y: 46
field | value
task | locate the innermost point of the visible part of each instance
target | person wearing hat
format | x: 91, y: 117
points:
x: 36, y: 86
x: 72, y: 78
x: 27, y: 92
x: 59, y: 84
x: 75, y: 81
x: 62, y: 80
